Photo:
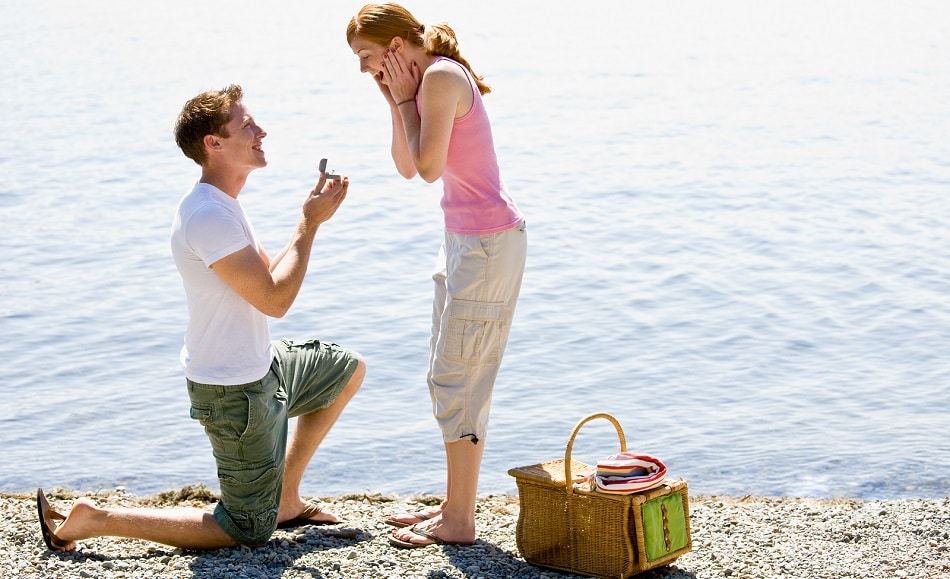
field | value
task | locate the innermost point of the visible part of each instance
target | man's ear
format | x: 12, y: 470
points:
x: 212, y: 142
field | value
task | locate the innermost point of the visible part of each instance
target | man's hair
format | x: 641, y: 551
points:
x: 206, y: 114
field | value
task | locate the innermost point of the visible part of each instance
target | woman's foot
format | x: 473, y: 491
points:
x: 435, y: 531
x: 409, y: 519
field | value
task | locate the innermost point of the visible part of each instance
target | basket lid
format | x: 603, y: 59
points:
x: 552, y: 471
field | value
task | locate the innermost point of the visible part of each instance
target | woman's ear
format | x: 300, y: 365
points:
x: 396, y: 43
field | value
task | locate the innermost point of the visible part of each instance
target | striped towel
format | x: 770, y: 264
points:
x: 626, y: 473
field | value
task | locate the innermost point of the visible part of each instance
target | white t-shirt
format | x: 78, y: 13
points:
x: 227, y: 341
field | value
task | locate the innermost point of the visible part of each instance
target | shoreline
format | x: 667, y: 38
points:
x: 750, y: 537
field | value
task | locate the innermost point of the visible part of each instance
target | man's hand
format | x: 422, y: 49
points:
x: 272, y: 285
x: 324, y: 200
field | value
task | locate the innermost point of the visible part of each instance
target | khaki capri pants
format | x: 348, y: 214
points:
x: 477, y: 283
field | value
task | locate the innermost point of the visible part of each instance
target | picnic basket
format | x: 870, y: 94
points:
x: 592, y: 533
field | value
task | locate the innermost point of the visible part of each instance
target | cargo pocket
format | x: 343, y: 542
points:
x: 203, y: 413
x: 250, y: 498
x: 474, y: 332
x: 224, y: 439
x: 262, y: 441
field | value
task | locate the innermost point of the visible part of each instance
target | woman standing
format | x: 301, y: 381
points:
x: 440, y: 130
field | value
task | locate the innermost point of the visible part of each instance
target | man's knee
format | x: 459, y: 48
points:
x: 356, y: 379
x: 360, y: 372
x: 248, y: 529
x: 258, y: 537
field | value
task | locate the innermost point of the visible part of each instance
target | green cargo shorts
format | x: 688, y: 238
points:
x: 247, y: 427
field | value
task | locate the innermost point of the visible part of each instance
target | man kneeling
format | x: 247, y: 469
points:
x: 243, y: 387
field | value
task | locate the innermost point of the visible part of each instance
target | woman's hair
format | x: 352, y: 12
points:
x: 379, y: 23
x: 206, y: 114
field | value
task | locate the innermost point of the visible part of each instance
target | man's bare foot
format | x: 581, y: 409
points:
x: 77, y: 525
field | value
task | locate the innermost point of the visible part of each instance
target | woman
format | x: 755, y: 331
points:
x: 440, y: 130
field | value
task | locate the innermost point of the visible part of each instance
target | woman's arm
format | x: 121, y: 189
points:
x: 441, y: 94
x: 399, y: 147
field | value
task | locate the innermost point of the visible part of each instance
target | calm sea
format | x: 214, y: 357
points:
x: 738, y: 227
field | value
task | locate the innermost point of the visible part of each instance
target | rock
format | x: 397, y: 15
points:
x: 749, y: 537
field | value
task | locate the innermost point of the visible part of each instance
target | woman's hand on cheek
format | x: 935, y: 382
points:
x: 400, y: 76
x: 387, y: 94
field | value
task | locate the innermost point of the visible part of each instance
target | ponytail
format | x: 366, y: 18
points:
x: 439, y: 39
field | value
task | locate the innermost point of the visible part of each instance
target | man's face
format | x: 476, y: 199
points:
x: 243, y: 145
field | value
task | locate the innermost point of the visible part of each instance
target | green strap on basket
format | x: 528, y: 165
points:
x: 664, y: 526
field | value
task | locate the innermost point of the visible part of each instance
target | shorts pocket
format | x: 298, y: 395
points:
x: 251, y: 499
x: 474, y: 332
x: 249, y: 490
x: 263, y: 438
x: 203, y: 413
x: 221, y: 432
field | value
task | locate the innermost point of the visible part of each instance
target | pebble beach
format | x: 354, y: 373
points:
x: 750, y: 537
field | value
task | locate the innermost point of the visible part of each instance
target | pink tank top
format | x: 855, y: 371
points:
x: 474, y: 198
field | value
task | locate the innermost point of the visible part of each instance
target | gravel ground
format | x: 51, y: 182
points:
x: 738, y: 538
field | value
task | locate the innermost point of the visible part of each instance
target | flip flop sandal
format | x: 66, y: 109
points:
x: 47, y: 524
x: 417, y: 515
x: 397, y: 542
x: 305, y: 518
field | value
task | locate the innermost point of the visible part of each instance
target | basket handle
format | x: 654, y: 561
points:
x: 570, y: 444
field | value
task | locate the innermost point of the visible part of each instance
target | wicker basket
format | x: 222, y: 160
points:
x: 597, y: 534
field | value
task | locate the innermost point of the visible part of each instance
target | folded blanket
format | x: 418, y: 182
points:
x: 627, y: 472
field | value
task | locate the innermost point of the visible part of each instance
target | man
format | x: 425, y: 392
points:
x: 243, y: 388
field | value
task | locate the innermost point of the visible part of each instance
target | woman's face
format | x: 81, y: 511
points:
x: 370, y: 55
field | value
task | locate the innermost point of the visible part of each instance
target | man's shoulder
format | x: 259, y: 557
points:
x: 202, y: 198
x: 201, y: 192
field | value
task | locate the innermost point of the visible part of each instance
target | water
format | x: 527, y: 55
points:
x: 738, y: 239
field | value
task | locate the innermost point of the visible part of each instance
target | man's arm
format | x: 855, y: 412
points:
x: 272, y: 286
